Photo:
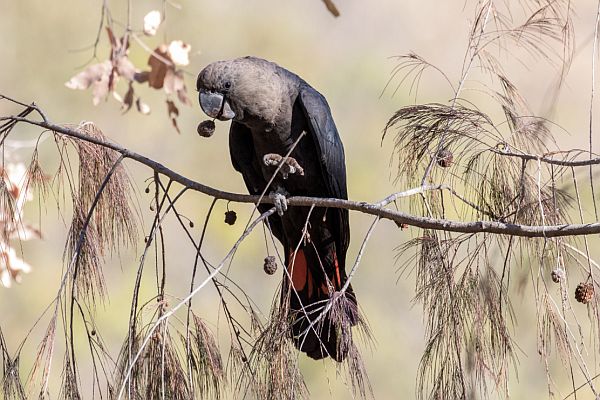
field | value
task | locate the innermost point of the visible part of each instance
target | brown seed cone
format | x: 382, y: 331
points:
x: 230, y: 217
x: 445, y: 158
x: 270, y: 266
x: 584, y: 292
x: 206, y: 128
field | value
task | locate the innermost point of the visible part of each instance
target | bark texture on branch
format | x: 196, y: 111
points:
x: 377, y: 209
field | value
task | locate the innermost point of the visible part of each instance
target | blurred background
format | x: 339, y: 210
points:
x: 43, y: 44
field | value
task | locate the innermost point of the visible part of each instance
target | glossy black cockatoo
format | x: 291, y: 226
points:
x: 270, y: 108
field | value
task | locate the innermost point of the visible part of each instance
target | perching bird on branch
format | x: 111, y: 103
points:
x: 273, y: 112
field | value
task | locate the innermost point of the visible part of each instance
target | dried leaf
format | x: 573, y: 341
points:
x: 152, y: 21
x: 173, y: 81
x: 158, y: 67
x: 113, y: 78
x: 89, y: 76
x: 331, y: 7
x: 11, y: 266
x: 173, y: 112
x: 142, y: 107
x: 174, y: 123
x: 100, y: 90
x: 179, y: 52
x: 115, y: 42
x: 125, y: 68
x: 175, y: 84
x: 183, y: 98
x: 96, y: 76
x: 141, y: 77
x: 128, y: 100
x: 103, y: 77
x: 172, y: 109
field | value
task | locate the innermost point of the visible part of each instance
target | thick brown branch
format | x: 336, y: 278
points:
x: 364, y: 207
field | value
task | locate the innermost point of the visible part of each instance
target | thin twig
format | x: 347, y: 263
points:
x: 548, y: 160
x: 594, y: 56
x: 183, y: 302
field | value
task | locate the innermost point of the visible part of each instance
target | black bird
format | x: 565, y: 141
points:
x: 270, y: 108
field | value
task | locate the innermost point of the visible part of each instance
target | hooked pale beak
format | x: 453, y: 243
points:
x: 215, y: 105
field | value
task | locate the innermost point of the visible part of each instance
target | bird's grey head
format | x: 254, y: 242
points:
x: 241, y: 88
x: 214, y: 86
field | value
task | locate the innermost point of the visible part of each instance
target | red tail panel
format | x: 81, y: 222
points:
x: 337, y: 270
x: 313, y: 276
x: 298, y: 270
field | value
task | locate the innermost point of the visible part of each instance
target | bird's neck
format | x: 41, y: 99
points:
x: 274, y: 118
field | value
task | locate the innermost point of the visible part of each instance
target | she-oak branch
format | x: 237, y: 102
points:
x: 377, y: 209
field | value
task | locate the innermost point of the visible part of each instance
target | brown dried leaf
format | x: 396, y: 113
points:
x: 172, y: 109
x: 103, y: 77
x: 141, y: 77
x: 158, y: 67
x: 128, y: 100
x: 331, y: 7
x: 115, y: 42
x: 113, y: 78
x: 174, y: 122
x: 173, y: 112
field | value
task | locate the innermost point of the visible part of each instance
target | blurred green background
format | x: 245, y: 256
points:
x: 42, y: 44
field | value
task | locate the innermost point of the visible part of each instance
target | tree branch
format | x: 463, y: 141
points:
x: 548, y: 160
x: 368, y: 208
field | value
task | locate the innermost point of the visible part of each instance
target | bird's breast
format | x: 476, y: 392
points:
x: 301, y: 173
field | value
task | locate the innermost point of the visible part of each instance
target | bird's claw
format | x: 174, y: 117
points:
x: 279, y: 201
x: 290, y: 165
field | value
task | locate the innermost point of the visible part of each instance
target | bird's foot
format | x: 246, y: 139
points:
x: 290, y: 165
x: 279, y: 200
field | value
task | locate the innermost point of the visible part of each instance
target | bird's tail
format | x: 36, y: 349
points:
x: 321, y: 316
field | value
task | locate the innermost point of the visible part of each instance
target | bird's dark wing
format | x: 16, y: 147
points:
x: 241, y: 151
x: 331, y: 156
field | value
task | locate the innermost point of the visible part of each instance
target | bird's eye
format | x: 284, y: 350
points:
x: 227, y: 85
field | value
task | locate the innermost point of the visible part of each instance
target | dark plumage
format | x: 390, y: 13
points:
x: 270, y: 107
